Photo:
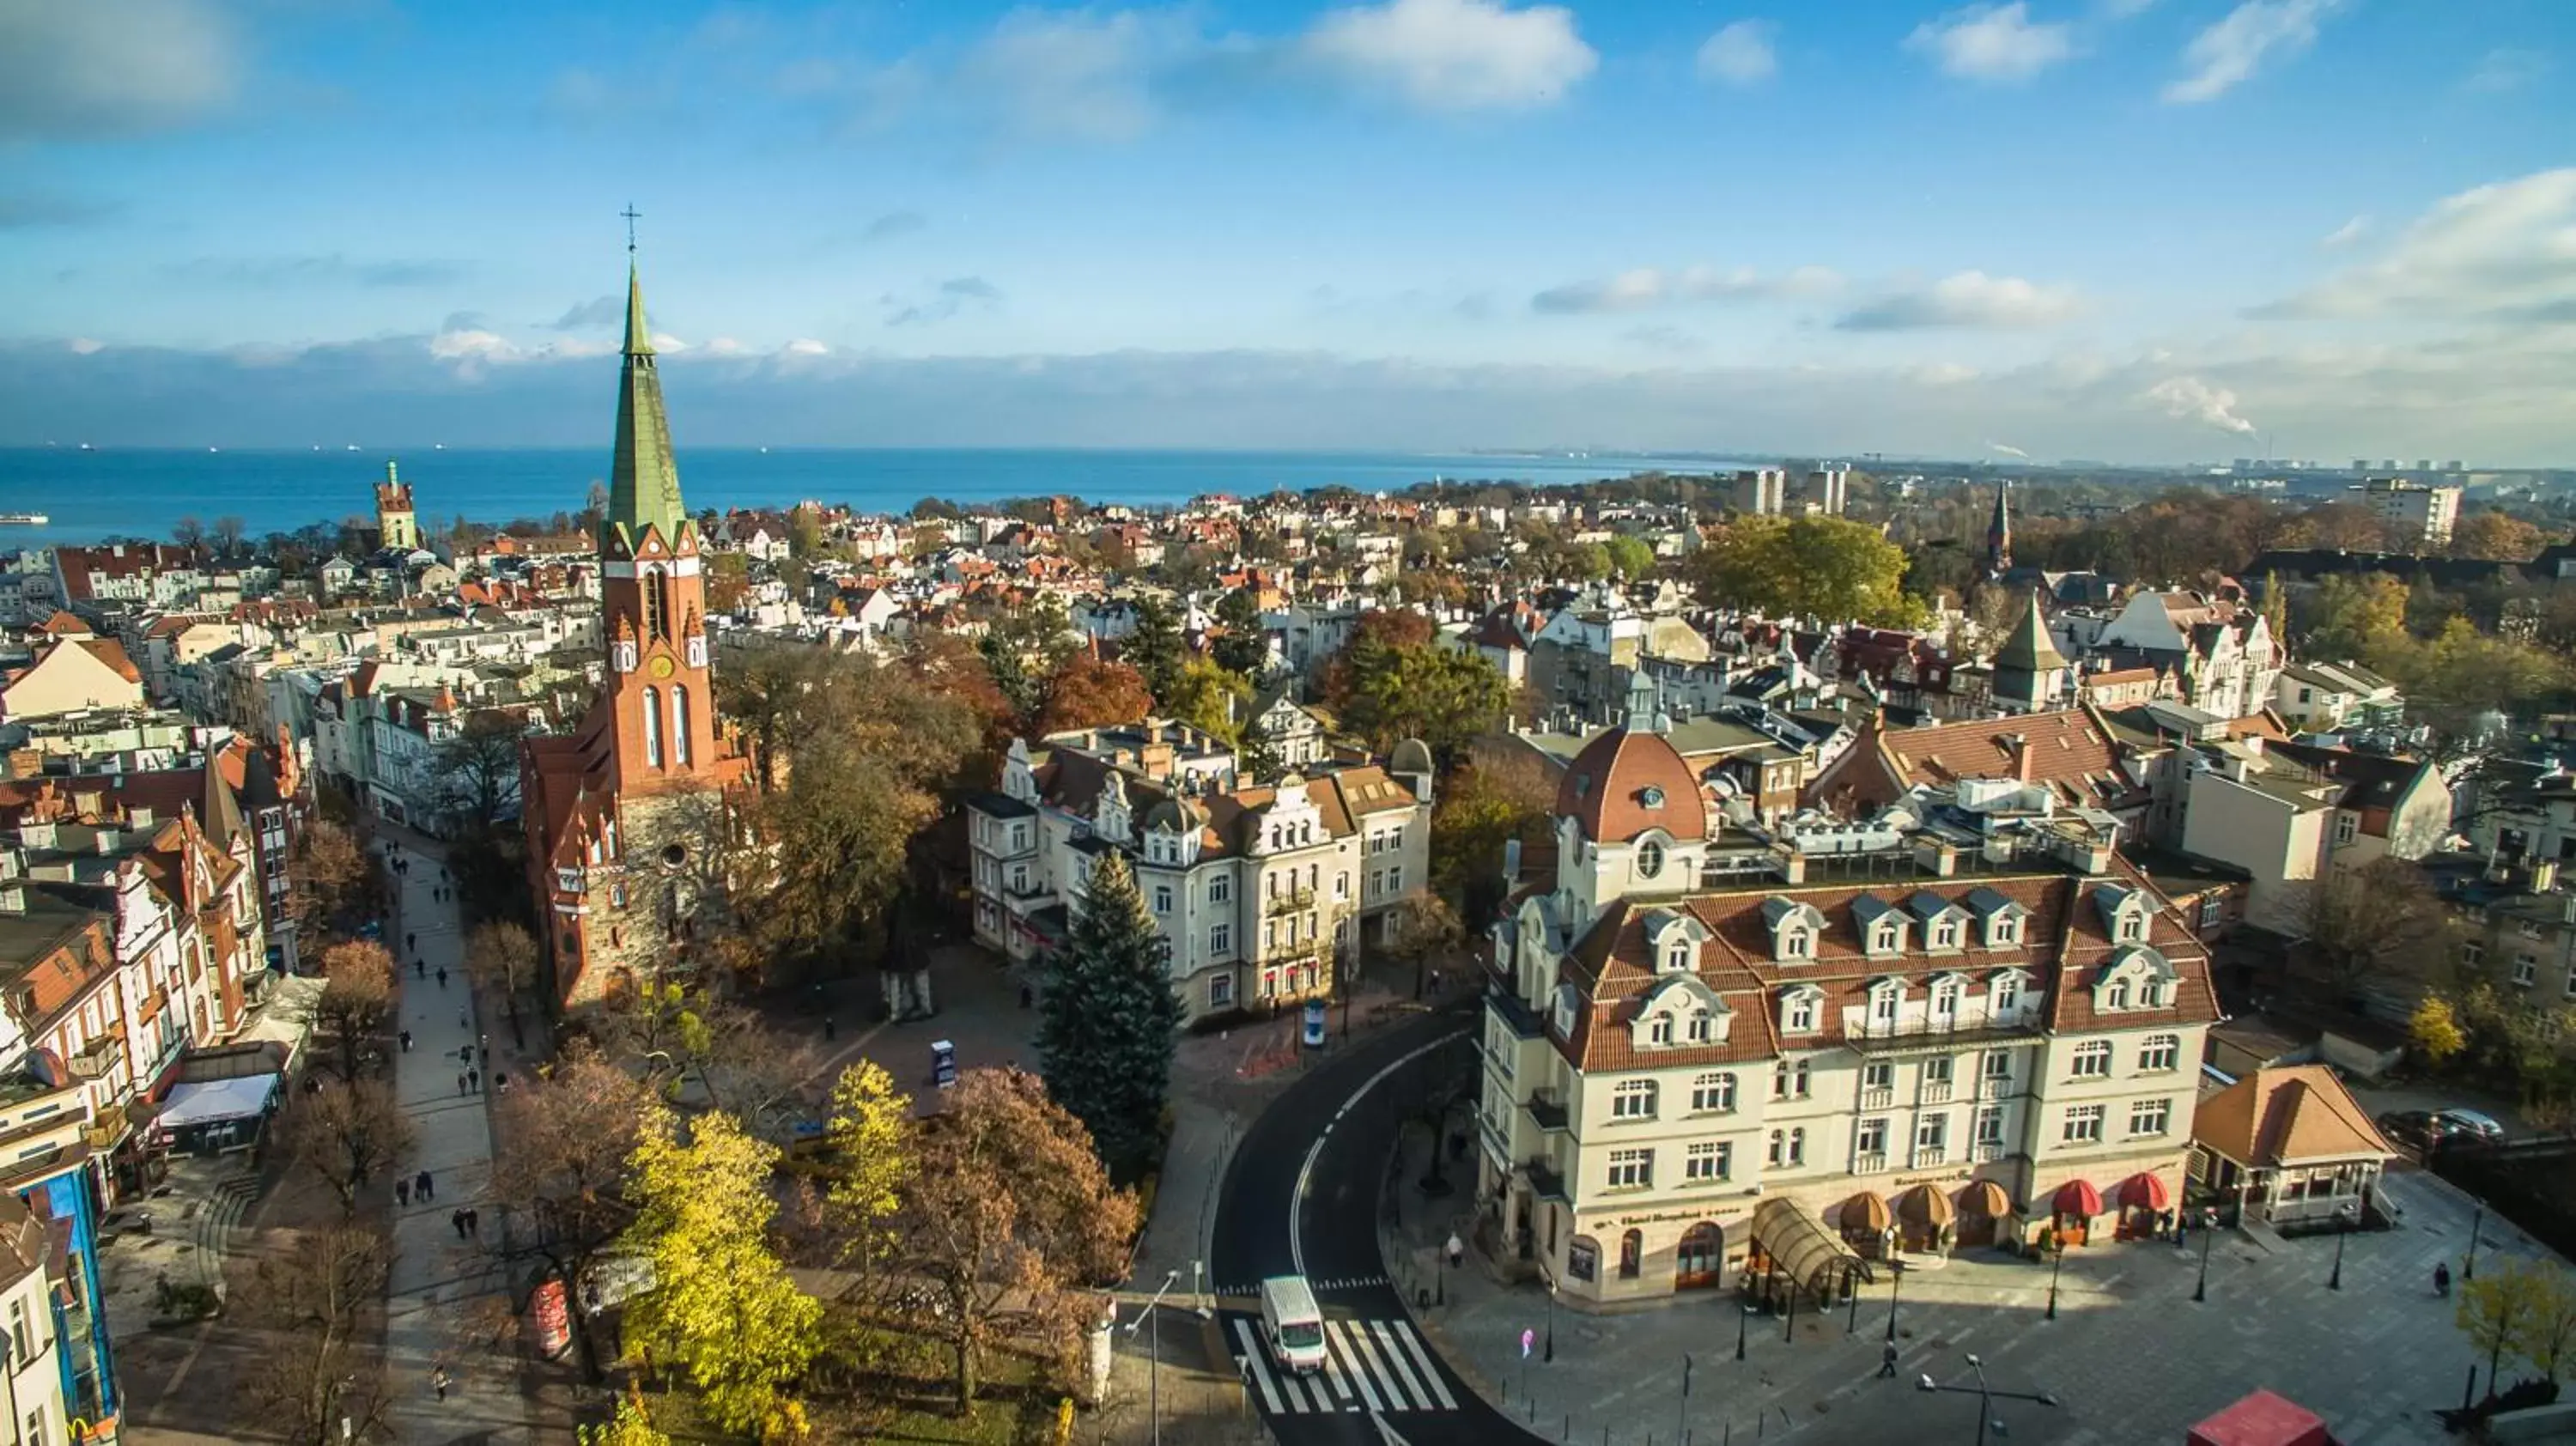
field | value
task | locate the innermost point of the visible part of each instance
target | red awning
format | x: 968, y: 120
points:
x: 2143, y: 1192
x: 2078, y: 1197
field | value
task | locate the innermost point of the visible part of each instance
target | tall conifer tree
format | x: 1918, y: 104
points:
x: 1106, y: 1033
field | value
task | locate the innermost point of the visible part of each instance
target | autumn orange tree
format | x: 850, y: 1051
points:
x: 1009, y: 1216
x: 328, y: 876
x: 564, y: 1175
x: 1085, y: 692
x: 357, y: 998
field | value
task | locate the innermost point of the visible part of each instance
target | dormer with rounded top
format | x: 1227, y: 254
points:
x: 2000, y: 922
x: 1171, y: 835
x: 1880, y: 925
x: 2126, y: 913
x: 1289, y: 821
x: 2135, y: 977
x: 1673, y: 941
x: 1680, y: 1011
x: 1802, y: 1011
x: 1795, y: 928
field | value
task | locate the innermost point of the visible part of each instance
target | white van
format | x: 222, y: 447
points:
x: 1292, y: 1324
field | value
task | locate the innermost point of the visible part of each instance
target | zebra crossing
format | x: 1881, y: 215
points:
x: 1369, y: 1365
x: 1320, y: 1284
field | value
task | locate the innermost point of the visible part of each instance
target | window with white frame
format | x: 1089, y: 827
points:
x: 1220, y: 889
x: 2003, y: 928
x: 1937, y: 1069
x: 1220, y: 990
x: 1788, y: 1148
x: 1659, y: 1030
x: 1162, y: 898
x: 1794, y: 943
x: 2526, y: 970
x: 2347, y: 824
x: 2083, y: 1125
x: 2472, y: 953
x: 1790, y: 1080
x: 1932, y: 1132
x: 2007, y: 993
x: 2093, y: 1059
x: 1799, y: 1014
x: 1632, y: 1169
x: 1633, y: 1100
x: 2117, y: 995
x: 1677, y: 955
x: 1713, y: 1092
x: 1883, y: 937
x: 1708, y: 1160
x: 1883, y: 1002
x: 1998, y: 1065
x: 1945, y: 933
x: 2212, y: 909
x: 1990, y: 1125
x: 1702, y: 1028
x: 1878, y: 1074
x: 2160, y: 1052
x: 1871, y: 1137
x: 1945, y: 999
x: 1500, y: 1047
x: 1221, y: 941
x: 2149, y: 1117
x: 1650, y: 859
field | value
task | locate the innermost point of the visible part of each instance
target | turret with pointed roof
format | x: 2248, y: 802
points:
x: 2029, y: 670
x: 644, y: 480
x: 1999, y: 534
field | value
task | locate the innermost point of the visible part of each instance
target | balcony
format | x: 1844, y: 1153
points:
x: 1548, y: 1110
x: 99, y: 1057
x: 1927, y: 1156
x: 1026, y: 888
x: 1936, y: 1092
x: 1995, y: 1087
x: 1870, y: 1162
x: 1877, y: 1039
x: 1545, y: 1182
x: 1877, y: 1097
x: 1289, y: 901
x: 1986, y: 1152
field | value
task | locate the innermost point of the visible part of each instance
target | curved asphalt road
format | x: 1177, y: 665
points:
x: 1336, y: 1130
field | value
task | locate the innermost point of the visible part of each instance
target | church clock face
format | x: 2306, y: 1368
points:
x: 662, y: 667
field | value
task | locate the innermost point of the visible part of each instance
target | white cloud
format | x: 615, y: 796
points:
x: 2191, y: 397
x: 2229, y: 52
x: 1970, y: 299
x: 1456, y: 55
x: 1740, y: 54
x: 663, y: 341
x: 2506, y: 69
x: 1647, y: 287
x: 1940, y: 374
x: 1083, y: 75
x: 2506, y: 250
x: 86, y: 69
x: 1993, y: 42
x: 805, y: 346
x: 2347, y: 233
x: 85, y: 346
x: 725, y: 346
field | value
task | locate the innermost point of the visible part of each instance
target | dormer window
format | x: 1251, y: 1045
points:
x: 1675, y: 939
x: 1677, y: 956
x: 1650, y: 859
x: 1799, y: 1009
x: 1884, y: 938
x: 1945, y: 934
x: 2124, y: 913
x: 2002, y: 921
x: 1794, y: 927
x: 1797, y: 943
x: 1565, y: 1005
x: 1885, y: 1000
x: 1699, y: 1027
x: 2007, y: 993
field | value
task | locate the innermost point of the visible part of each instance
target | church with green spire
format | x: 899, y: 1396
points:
x: 621, y: 811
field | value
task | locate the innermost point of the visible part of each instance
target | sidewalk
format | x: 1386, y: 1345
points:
x: 440, y: 1287
x: 2374, y: 1358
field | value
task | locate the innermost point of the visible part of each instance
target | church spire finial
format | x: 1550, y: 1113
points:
x: 644, y: 481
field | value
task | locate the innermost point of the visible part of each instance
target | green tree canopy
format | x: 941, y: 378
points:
x: 1206, y: 697
x: 1108, y: 1026
x: 1243, y: 647
x: 1154, y: 649
x: 1395, y: 680
x: 1825, y: 567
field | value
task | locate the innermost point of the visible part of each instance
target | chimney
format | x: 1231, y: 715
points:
x: 2019, y: 744
x: 1936, y: 857
x: 1793, y: 866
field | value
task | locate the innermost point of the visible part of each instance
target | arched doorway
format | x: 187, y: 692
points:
x: 1700, y: 1257
x: 1632, y: 1254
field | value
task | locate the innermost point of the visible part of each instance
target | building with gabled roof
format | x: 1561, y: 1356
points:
x: 622, y: 812
x: 2070, y: 751
x: 2289, y: 1142
x: 1954, y: 1021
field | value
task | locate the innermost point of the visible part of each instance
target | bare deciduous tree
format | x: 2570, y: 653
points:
x: 346, y: 1133
x: 318, y: 1368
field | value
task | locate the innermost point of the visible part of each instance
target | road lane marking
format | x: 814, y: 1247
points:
x: 1253, y: 1362
x: 1332, y: 1371
x: 1341, y: 1334
x: 1403, y: 1369
x: 1306, y: 1171
x: 1430, y: 1370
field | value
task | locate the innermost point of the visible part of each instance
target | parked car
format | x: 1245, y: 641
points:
x: 2422, y: 1131
x: 2469, y: 1124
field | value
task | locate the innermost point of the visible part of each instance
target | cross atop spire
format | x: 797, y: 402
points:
x: 632, y: 216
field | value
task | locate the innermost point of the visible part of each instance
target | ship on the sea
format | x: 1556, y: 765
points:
x: 23, y: 519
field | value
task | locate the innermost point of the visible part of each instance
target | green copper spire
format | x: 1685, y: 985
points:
x: 644, y: 482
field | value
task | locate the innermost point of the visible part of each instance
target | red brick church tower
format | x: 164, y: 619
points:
x: 623, y: 813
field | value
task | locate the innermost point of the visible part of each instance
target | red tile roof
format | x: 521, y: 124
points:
x: 1628, y: 781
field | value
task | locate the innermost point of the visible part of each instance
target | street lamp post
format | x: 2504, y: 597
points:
x: 2343, y: 1227
x: 1986, y: 1396
x: 1851, y: 1287
x: 1895, y: 1288
x: 1154, y: 1372
x: 2477, y: 1222
x: 1743, y: 1318
x: 1548, y: 1352
x: 2208, y: 1233
x: 2056, y: 1263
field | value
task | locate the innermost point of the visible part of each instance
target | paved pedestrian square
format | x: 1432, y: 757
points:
x: 2130, y: 1358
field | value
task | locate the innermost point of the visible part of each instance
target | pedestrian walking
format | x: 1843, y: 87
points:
x: 402, y: 1193
x: 411, y: 941
x: 438, y: 1381
x: 465, y: 1054
x: 474, y: 1079
x: 405, y: 1037
x: 442, y: 976
x: 460, y: 1082
x: 456, y: 1218
x: 420, y: 969
x: 473, y: 1222
x: 829, y: 1029
x: 422, y: 1186
x: 1457, y: 1251
x: 461, y: 1021
x: 485, y: 1041
x: 2442, y: 1279
x: 1028, y: 996
x: 1887, y: 1361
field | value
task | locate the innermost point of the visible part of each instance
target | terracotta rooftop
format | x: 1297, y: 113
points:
x: 2288, y: 1115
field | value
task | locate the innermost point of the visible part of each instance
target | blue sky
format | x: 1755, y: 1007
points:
x: 2123, y: 228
